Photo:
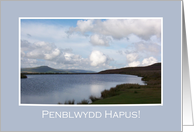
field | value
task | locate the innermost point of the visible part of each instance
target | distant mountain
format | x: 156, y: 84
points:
x: 46, y: 69
x: 133, y: 70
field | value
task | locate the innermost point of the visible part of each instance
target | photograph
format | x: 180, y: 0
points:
x: 90, y: 61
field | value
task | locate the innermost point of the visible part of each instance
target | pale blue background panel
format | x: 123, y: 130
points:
x: 153, y: 118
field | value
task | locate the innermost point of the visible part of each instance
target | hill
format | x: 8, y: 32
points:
x: 46, y: 69
x: 149, y: 73
x: 129, y: 70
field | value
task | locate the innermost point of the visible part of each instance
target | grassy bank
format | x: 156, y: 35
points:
x: 130, y: 94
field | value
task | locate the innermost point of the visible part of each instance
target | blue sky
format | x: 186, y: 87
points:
x: 90, y: 44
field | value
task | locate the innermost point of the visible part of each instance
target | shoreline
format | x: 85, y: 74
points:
x: 126, y: 93
x: 150, y: 92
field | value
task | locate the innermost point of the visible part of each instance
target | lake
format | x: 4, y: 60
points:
x: 51, y: 89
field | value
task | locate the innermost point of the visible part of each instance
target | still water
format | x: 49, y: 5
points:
x: 51, y: 89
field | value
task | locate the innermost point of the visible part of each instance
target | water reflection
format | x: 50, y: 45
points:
x: 96, y: 90
x: 51, y: 89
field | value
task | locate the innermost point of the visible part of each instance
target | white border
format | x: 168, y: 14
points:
x: 88, y: 105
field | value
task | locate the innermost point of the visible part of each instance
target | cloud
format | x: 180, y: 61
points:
x: 134, y: 64
x: 25, y: 62
x: 136, y: 52
x: 40, y: 50
x: 99, y: 40
x: 145, y: 62
x: 98, y: 58
x: 83, y: 26
x: 132, y: 57
x: 48, y: 52
x: 44, y: 53
x: 147, y: 47
x: 53, y: 54
x: 68, y: 56
x: 149, y: 61
x: 128, y: 41
x: 120, y: 28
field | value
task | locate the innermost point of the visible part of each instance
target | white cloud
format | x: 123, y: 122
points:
x: 84, y: 26
x: 40, y: 50
x: 43, y: 53
x: 72, y: 58
x: 60, y: 46
x: 98, y: 58
x: 53, y: 54
x: 120, y: 28
x: 132, y: 57
x: 25, y: 62
x: 68, y: 56
x: 48, y: 51
x: 35, y: 54
x: 99, y: 40
x: 149, y: 61
x: 148, y: 47
x: 134, y: 64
